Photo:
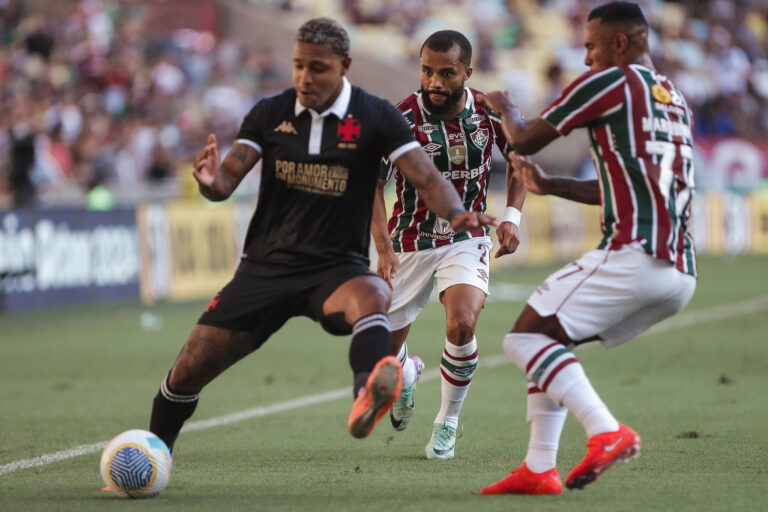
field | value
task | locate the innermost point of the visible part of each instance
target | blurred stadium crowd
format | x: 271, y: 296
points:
x: 91, y: 96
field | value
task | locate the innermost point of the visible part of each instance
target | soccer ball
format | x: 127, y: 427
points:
x: 136, y: 464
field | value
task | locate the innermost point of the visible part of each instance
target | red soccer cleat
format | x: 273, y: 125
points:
x: 524, y: 481
x: 381, y: 390
x: 603, y: 450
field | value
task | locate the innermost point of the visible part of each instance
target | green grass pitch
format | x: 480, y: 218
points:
x: 696, y: 389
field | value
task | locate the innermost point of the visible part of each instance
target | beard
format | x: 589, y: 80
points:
x: 451, y: 100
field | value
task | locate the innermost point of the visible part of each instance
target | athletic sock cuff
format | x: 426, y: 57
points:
x: 171, y: 396
x: 367, y: 322
x: 461, y: 351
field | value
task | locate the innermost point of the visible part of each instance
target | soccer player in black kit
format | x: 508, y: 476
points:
x: 306, y: 250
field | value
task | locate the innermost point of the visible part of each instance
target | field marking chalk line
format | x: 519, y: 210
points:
x: 706, y: 315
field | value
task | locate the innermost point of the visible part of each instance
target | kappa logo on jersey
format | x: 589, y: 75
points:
x: 286, y: 127
x: 433, y: 149
x: 428, y: 128
x: 348, y: 132
x: 480, y: 137
x: 660, y: 94
x: 457, y: 154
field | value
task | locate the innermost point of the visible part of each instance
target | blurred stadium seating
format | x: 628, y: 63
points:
x: 120, y: 93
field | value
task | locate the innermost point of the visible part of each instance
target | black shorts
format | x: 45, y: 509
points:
x: 260, y: 299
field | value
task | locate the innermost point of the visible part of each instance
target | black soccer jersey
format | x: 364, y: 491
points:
x: 318, y: 176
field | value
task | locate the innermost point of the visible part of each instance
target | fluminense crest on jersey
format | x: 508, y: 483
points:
x: 480, y: 137
x: 460, y: 149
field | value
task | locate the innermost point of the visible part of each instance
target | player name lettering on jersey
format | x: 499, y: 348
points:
x: 315, y: 178
x: 659, y: 124
x: 466, y: 174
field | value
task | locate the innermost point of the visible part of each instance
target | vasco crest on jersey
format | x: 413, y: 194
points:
x: 348, y: 132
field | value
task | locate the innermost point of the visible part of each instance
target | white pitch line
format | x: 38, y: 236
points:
x: 712, y: 314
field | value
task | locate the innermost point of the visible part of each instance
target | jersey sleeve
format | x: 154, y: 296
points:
x: 252, y: 128
x: 394, y: 133
x: 498, y: 133
x: 385, y: 169
x: 590, y: 97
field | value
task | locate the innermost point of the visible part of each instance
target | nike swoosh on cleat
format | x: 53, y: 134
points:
x: 442, y: 452
x: 610, y: 447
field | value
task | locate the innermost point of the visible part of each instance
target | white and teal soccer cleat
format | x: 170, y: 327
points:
x: 402, y: 410
x: 442, y: 443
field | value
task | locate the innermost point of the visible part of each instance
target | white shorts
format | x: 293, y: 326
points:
x: 464, y: 262
x: 615, y: 295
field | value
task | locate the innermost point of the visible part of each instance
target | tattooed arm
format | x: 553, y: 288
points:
x: 541, y: 183
x: 217, y: 180
x: 438, y: 193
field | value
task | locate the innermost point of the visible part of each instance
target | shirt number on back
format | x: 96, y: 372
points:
x: 667, y: 150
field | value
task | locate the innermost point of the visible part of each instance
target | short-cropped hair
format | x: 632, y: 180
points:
x: 325, y: 31
x: 619, y: 12
x: 444, y: 40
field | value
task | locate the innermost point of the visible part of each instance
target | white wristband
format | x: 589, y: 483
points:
x: 513, y: 215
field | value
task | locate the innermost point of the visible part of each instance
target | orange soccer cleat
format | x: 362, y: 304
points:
x: 524, y: 481
x: 381, y: 390
x: 603, y: 450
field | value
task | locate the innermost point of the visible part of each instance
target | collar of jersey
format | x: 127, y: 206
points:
x: 338, y: 108
x: 469, y: 106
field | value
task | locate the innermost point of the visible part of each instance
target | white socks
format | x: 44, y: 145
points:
x: 409, y: 367
x: 457, y: 367
x: 553, y: 369
x: 546, y: 419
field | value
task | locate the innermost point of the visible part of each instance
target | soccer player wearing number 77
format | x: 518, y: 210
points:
x: 644, y: 269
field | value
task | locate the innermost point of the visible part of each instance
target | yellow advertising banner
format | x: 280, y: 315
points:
x: 204, y: 248
x: 758, y: 206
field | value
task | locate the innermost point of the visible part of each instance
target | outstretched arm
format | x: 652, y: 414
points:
x: 541, y: 183
x: 388, y: 262
x: 437, y: 192
x: 217, y: 180
x: 508, y: 231
x: 525, y: 138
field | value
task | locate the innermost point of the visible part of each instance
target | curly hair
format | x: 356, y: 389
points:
x: 325, y: 31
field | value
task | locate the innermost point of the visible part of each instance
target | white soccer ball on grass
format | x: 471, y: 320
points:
x: 136, y: 464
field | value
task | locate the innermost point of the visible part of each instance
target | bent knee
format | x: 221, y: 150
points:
x: 460, y: 331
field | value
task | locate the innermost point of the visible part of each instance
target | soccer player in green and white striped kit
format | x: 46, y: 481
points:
x: 644, y: 269
x: 416, y: 246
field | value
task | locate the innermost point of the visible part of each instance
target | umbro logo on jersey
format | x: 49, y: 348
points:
x: 433, y: 149
x: 286, y: 127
